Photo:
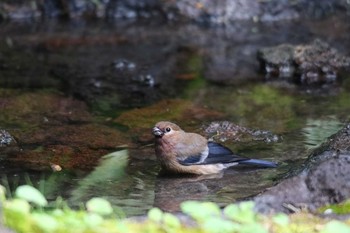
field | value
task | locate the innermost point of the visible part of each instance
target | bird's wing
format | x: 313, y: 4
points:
x: 216, y: 154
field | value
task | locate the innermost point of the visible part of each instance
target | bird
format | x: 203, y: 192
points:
x: 180, y: 152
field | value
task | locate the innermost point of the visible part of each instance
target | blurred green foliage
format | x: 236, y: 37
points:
x: 34, y: 214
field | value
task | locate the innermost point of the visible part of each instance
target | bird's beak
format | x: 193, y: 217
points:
x: 157, y: 132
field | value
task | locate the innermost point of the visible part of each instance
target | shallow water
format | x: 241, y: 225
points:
x: 83, y: 62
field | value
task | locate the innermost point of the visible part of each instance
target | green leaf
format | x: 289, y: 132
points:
x: 31, y: 194
x: 219, y: 225
x: 171, y: 221
x: 17, y: 215
x: 253, y: 227
x: 17, y: 205
x: 45, y: 222
x: 232, y: 211
x: 57, y: 212
x: 335, y: 226
x: 242, y: 212
x: 247, y: 206
x: 155, y: 214
x: 200, y: 210
x: 281, y: 219
x: 2, y: 193
x: 93, y: 220
x: 99, y: 206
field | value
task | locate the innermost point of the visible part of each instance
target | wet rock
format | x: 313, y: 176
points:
x: 225, y: 130
x: 230, y: 52
x: 19, y: 10
x: 224, y: 62
x: 135, y: 9
x: 329, y: 182
x: 277, y: 61
x: 5, y: 138
x: 323, y: 180
x: 53, y: 129
x: 214, y: 11
x: 319, y: 63
x: 203, y: 11
x: 28, y: 109
x: 69, y: 155
x: 69, y: 146
x: 316, y: 63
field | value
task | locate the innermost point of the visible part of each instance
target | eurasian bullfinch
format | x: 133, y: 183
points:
x: 182, y: 152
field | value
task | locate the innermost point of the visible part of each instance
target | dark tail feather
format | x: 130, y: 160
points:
x: 259, y: 163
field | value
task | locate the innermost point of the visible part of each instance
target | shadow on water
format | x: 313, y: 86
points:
x: 72, y: 93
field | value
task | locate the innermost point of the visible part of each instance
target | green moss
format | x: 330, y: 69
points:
x: 259, y: 106
x: 271, y: 104
x: 105, y: 104
x: 148, y: 116
x: 341, y: 208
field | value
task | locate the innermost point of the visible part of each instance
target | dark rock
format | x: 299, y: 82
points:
x: 324, y: 180
x: 316, y: 63
x: 329, y: 182
x: 277, y: 61
x: 202, y: 11
x: 292, y: 192
x: 135, y: 9
x: 19, y: 10
x: 214, y: 11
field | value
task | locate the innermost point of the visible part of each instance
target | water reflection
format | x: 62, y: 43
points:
x: 316, y: 130
x: 223, y: 188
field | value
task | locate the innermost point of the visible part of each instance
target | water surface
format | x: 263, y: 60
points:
x: 95, y: 75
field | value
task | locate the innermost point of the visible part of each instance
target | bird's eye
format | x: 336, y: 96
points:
x: 168, y: 129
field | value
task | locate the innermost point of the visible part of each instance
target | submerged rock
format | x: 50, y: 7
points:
x: 172, y: 109
x: 225, y: 130
x: 53, y: 129
x: 325, y: 179
x: 314, y: 63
